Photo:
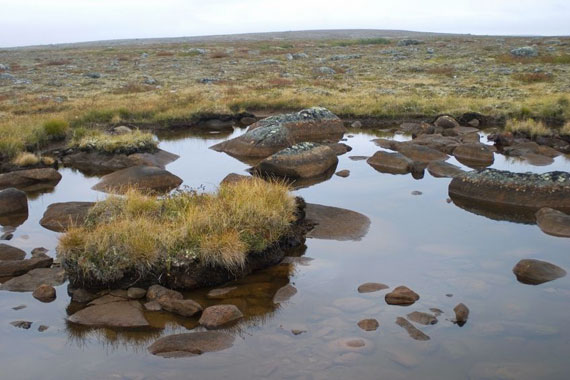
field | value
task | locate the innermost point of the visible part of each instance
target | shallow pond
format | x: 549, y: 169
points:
x: 444, y: 253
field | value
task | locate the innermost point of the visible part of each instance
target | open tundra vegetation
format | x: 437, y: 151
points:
x: 48, y: 92
x: 143, y: 234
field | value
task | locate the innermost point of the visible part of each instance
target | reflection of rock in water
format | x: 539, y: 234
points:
x: 191, y: 344
x: 252, y: 295
x: 502, y: 195
x: 336, y: 223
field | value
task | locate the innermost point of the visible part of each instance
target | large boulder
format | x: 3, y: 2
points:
x: 304, y: 160
x: 191, y: 344
x: 102, y: 163
x: 30, y: 179
x: 270, y: 135
x: 114, y: 314
x: 13, y: 207
x: 390, y: 162
x: 518, y: 193
x: 60, y: 216
x: 333, y: 223
x: 535, y: 272
x: 474, y: 155
x: 145, y: 178
x: 553, y: 222
x: 446, y: 122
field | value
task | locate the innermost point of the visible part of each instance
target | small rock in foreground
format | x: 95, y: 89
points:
x: 216, y: 316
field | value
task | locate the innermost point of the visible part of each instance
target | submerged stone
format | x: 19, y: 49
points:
x: 412, y: 331
x: 461, y: 314
x: 390, y: 162
x: 422, y: 318
x: 191, y: 344
x: 115, y: 314
x: 370, y: 287
x: 474, y: 155
x: 368, y: 324
x: 553, y: 222
x: 440, y: 169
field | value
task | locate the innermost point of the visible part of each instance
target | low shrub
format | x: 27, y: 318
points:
x: 140, y: 233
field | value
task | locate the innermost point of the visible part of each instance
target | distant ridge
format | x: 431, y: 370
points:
x: 266, y: 36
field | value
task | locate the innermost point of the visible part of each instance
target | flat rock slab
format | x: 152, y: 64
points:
x: 440, y: 169
x: 304, y: 160
x: 420, y: 153
x: 553, y: 222
x: 474, y: 155
x: 30, y: 179
x: 10, y: 268
x: 115, y: 314
x: 30, y: 281
x: 536, y: 272
x: 370, y: 287
x: 390, y: 162
x: 521, y: 192
x: 368, y: 324
x: 191, y: 344
x: 402, y: 296
x: 145, y: 178
x: 219, y: 315
x: 333, y: 223
x: 7, y: 252
x: 101, y: 163
x: 60, y: 216
x: 412, y: 331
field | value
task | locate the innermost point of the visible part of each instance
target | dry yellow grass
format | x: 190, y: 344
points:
x: 139, y: 233
x: 95, y: 140
x: 565, y: 130
x: 528, y: 126
x: 26, y: 159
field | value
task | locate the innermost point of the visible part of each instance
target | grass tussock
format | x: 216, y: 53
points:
x: 26, y: 159
x: 56, y: 129
x: 138, y: 233
x: 565, y: 130
x: 96, y: 141
x: 528, y: 126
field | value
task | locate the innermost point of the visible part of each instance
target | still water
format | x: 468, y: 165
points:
x: 444, y: 253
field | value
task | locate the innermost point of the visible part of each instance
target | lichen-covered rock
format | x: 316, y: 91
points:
x: 525, y: 51
x: 145, y: 178
x: 60, y: 216
x: 272, y: 134
x: 304, y: 160
x: 522, y: 192
x: 30, y: 179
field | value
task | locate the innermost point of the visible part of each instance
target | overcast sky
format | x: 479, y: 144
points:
x: 27, y: 22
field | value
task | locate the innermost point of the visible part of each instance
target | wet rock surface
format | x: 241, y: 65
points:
x: 30, y: 281
x: 412, y: 331
x: 461, y: 314
x: 553, y: 222
x: 145, y: 178
x: 44, y: 293
x: 390, y: 162
x: 96, y: 163
x: 10, y: 268
x: 523, y: 192
x: 370, y: 287
x: 335, y: 223
x: 7, y: 252
x: 420, y: 153
x: 440, y: 169
x: 401, y: 295
x: 13, y: 207
x: 536, y: 272
x: 22, y: 324
x: 30, y: 179
x: 60, y: 216
x: 219, y: 315
x: 185, y: 308
x: 191, y: 344
x: 474, y: 155
x: 351, y: 344
x: 304, y: 160
x: 124, y: 314
x: 156, y: 292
